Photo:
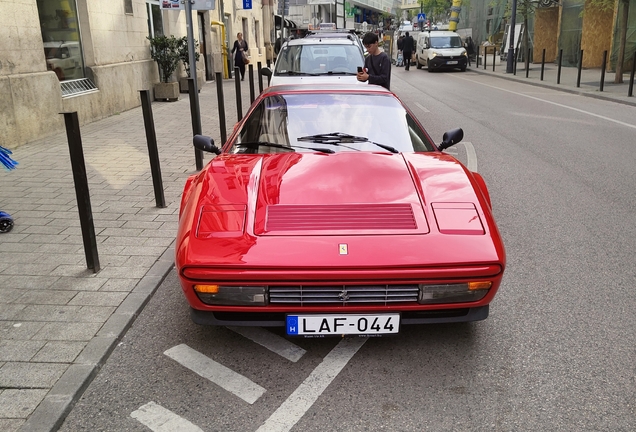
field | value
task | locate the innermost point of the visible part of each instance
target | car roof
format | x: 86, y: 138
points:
x: 326, y: 88
x: 319, y: 41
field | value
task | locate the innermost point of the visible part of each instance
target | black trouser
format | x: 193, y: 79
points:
x: 407, y: 59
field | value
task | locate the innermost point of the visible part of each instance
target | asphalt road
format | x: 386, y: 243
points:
x: 557, y: 352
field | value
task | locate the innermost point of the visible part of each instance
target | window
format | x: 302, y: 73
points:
x: 59, y: 25
x: 155, y: 19
x: 257, y: 32
x: 128, y: 7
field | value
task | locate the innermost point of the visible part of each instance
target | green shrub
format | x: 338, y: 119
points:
x: 165, y: 51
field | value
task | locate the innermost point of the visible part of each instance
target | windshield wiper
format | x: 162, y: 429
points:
x: 289, y: 148
x: 338, y: 138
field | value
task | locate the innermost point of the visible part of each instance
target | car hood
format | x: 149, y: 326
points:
x: 449, y: 52
x: 259, y: 209
x: 320, y: 79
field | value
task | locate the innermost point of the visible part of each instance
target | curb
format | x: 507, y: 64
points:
x: 60, y: 400
x: 556, y: 87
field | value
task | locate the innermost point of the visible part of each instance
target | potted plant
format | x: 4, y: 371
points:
x: 184, y: 56
x: 165, y: 51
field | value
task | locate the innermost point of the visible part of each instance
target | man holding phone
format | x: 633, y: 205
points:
x: 377, y: 65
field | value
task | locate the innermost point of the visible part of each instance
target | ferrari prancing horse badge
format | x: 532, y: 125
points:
x: 344, y: 249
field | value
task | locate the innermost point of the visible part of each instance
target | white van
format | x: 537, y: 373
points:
x: 440, y: 50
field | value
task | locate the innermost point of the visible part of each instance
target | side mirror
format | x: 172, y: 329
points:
x: 266, y: 71
x: 451, y: 138
x: 206, y: 144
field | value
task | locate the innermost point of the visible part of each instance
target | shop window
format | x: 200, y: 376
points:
x: 59, y: 25
x: 155, y: 19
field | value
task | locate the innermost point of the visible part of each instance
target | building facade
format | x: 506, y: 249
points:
x: 93, y: 57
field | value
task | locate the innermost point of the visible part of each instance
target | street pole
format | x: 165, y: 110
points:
x: 510, y: 57
x: 195, y: 110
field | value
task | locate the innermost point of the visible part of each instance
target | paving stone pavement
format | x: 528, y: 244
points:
x: 60, y: 321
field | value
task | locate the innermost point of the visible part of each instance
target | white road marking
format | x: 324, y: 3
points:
x: 224, y: 377
x: 296, y: 405
x: 421, y: 107
x: 471, y: 157
x: 272, y: 342
x: 159, y: 419
x: 551, y: 103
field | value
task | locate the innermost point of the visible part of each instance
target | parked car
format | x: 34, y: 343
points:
x: 65, y: 59
x: 315, y: 218
x: 316, y: 60
x: 338, y: 33
x: 440, y: 50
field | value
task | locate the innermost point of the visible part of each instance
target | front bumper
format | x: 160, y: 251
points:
x: 441, y: 62
x: 277, y: 319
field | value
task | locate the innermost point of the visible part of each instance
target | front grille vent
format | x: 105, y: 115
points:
x: 340, y: 217
x: 343, y: 295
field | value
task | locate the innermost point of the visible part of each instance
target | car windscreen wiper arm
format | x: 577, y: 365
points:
x: 289, y: 148
x: 338, y: 138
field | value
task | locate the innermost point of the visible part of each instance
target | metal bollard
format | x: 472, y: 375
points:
x: 239, y: 100
x: 630, y: 91
x: 260, y: 77
x: 195, y: 114
x: 542, y: 63
x: 515, y: 61
x: 603, y: 70
x: 251, y: 77
x: 153, y: 153
x: 82, y: 193
x: 485, y: 58
x: 528, y: 62
x: 221, y: 104
x: 559, y: 67
x: 580, y: 65
x: 494, y: 58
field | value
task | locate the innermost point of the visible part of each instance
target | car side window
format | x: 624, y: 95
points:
x: 419, y: 140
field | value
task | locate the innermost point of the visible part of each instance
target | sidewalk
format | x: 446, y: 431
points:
x: 589, y: 82
x: 58, y: 320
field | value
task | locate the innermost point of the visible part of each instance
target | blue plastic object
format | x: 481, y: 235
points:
x: 6, y: 222
x: 5, y: 158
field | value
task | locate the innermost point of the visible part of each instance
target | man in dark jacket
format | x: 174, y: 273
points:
x: 377, y: 65
x: 407, y: 50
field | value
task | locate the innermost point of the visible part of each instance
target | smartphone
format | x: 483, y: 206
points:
x: 359, y: 69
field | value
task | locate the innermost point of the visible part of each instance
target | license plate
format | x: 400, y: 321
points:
x: 349, y: 324
x: 451, y: 62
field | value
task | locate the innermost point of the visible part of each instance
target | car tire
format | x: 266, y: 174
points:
x: 463, y: 69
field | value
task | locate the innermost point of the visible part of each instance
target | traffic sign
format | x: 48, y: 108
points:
x: 421, y: 17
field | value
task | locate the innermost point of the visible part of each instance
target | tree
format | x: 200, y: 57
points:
x: 184, y: 53
x: 622, y: 41
x: 436, y: 10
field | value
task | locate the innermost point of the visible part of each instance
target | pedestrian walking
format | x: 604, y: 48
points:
x: 407, y: 50
x: 240, y: 54
x: 470, y: 49
x: 400, y: 56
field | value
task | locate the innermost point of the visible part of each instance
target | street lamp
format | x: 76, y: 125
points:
x: 511, y: 48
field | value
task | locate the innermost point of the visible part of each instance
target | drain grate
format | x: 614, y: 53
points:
x: 78, y: 86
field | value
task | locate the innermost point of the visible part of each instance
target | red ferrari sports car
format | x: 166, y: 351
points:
x: 330, y: 211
